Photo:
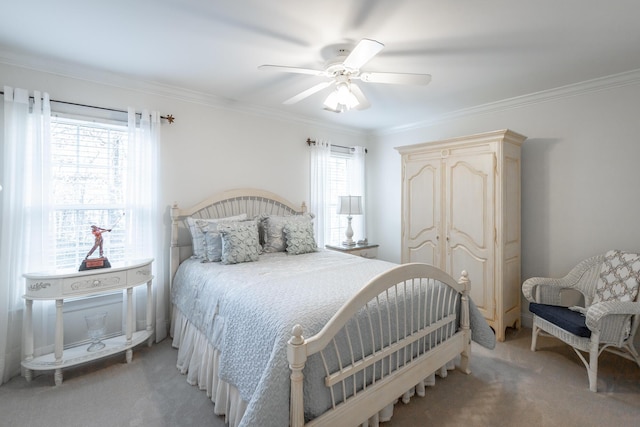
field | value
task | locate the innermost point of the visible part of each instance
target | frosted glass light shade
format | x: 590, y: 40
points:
x: 341, y: 99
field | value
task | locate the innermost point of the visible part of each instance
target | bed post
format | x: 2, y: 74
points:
x: 297, y: 357
x: 464, y: 322
x: 174, y: 250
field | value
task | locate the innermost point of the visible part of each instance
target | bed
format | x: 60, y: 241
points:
x: 306, y: 337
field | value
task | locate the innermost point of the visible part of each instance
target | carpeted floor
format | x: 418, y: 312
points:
x: 508, y: 386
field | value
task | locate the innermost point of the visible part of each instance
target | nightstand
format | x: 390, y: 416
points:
x: 63, y: 284
x: 366, y: 251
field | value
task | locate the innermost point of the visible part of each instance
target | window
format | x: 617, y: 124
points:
x: 344, y: 180
x: 336, y: 171
x: 88, y: 176
x: 339, y: 164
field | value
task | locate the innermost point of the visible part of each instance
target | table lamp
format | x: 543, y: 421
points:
x: 349, y: 205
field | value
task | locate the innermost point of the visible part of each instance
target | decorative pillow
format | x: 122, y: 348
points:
x: 274, y: 230
x: 619, y: 277
x: 239, y: 242
x: 198, y: 228
x: 299, y: 237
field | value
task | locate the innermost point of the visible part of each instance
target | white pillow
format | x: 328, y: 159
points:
x: 198, y: 228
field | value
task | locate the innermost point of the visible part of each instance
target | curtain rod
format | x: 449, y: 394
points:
x: 168, y: 117
x: 310, y: 142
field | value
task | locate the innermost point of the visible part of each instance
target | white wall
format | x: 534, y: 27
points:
x: 580, y: 176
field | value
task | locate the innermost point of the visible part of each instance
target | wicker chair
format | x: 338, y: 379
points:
x: 601, y: 325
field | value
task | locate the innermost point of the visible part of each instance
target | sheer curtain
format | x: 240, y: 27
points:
x: 26, y: 215
x: 320, y: 191
x: 144, y: 224
x: 357, y: 187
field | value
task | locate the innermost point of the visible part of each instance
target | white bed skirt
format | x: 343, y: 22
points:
x: 198, y: 360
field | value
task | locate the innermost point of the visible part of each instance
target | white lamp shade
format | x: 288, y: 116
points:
x: 350, y: 205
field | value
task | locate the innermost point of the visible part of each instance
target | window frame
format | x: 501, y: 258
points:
x: 70, y: 250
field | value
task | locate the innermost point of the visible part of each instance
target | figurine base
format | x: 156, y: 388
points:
x: 94, y: 263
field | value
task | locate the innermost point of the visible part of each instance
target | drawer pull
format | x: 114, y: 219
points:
x: 95, y: 283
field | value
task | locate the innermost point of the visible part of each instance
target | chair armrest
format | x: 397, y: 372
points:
x: 597, y: 312
x: 612, y: 321
x: 550, y: 288
x: 529, y: 287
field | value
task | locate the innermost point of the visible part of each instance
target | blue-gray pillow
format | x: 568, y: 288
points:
x: 199, y: 226
x: 299, y: 238
x: 274, y: 230
x: 212, y: 246
x: 239, y: 242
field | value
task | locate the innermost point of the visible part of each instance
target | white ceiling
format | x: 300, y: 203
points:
x: 477, y: 51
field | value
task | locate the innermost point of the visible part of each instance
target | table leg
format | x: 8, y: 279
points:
x: 129, y: 352
x: 28, y: 337
x: 149, y: 313
x: 57, y: 377
x: 59, y: 332
x: 129, y: 315
x: 59, y: 341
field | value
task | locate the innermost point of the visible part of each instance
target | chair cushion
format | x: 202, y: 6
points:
x: 569, y: 320
x: 619, y: 277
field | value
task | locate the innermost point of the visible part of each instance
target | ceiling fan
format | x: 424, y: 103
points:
x: 342, y: 71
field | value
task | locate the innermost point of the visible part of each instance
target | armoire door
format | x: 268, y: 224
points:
x: 422, y: 206
x: 470, y: 224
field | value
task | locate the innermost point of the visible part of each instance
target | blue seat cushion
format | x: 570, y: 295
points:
x: 569, y: 320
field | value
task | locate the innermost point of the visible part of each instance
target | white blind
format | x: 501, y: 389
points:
x: 338, y: 186
x: 89, y: 176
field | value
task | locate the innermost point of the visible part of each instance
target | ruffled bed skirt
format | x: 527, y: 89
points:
x: 198, y: 360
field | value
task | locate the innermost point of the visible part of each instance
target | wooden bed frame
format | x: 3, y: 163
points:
x: 380, y: 391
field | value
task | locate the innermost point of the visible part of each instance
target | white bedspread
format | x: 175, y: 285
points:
x: 248, y: 311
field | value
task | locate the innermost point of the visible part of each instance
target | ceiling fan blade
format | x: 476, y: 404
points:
x: 362, y: 53
x: 396, y: 78
x: 363, y: 102
x: 297, y: 70
x: 302, y: 95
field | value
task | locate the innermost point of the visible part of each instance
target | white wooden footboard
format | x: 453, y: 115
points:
x: 401, y: 327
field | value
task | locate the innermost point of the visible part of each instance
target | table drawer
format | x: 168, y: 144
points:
x: 86, y: 285
x: 139, y: 275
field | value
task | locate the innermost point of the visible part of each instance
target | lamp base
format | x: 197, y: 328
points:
x: 349, y: 234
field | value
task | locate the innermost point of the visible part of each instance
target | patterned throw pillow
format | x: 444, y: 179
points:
x: 274, y: 230
x: 299, y: 238
x: 239, y: 242
x: 198, y: 228
x: 619, y: 277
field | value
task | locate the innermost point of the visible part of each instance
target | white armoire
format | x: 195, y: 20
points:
x: 461, y: 211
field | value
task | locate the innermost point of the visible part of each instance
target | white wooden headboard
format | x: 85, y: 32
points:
x: 251, y: 201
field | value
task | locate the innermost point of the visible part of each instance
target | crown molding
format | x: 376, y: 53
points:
x: 603, y: 83
x: 106, y: 78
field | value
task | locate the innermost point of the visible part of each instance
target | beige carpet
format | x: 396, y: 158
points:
x: 509, y: 386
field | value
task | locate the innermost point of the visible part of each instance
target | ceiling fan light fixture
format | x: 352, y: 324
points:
x: 341, y: 99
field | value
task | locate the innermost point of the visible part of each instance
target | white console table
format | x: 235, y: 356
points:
x: 58, y: 285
